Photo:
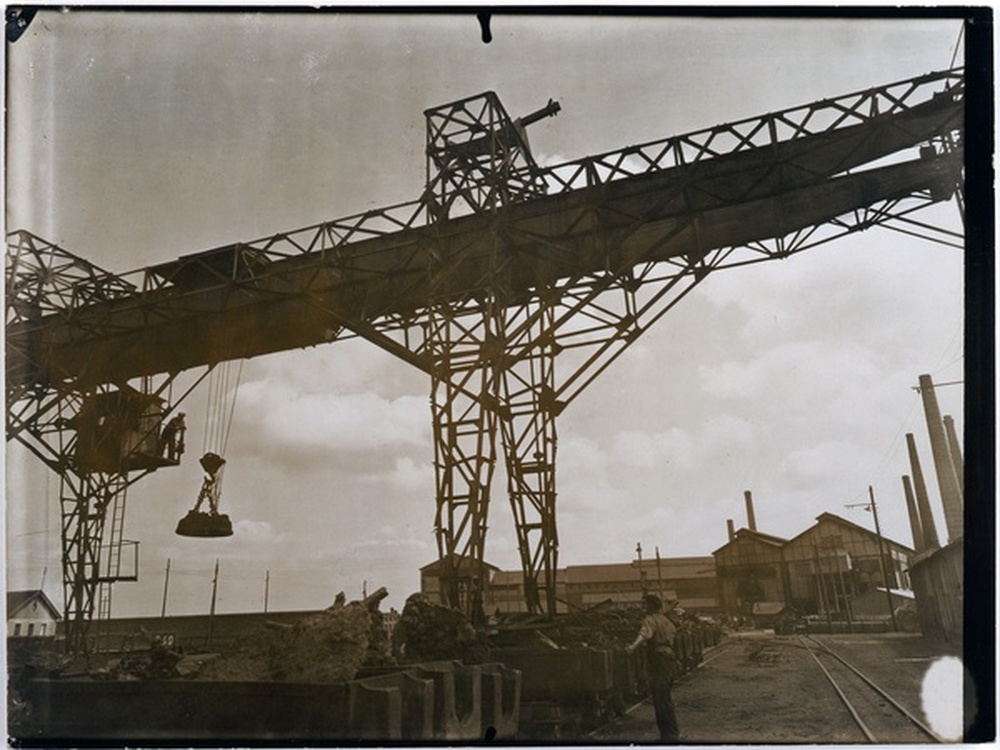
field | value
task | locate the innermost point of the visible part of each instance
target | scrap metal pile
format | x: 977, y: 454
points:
x: 600, y: 627
x: 333, y: 645
x: 429, y: 632
x: 330, y: 646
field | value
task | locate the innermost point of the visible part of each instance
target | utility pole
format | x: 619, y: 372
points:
x: 871, y: 506
x: 166, y: 584
x: 642, y: 573
x: 267, y: 588
x: 211, y: 612
x: 881, y: 557
x: 659, y: 576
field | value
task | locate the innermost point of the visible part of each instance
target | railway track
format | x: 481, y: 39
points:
x: 880, y: 718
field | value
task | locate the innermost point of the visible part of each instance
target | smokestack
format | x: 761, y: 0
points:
x: 956, y: 451
x: 911, y: 508
x: 951, y: 495
x: 731, y: 529
x: 923, y: 502
x: 751, y: 520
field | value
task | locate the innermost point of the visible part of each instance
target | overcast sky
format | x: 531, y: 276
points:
x: 135, y: 138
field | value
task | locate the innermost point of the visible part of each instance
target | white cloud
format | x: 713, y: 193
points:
x: 820, y: 464
x: 349, y: 422
x: 645, y: 450
x: 407, y: 475
x: 256, y: 532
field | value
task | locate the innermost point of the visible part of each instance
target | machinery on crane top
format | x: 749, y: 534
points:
x: 498, y: 267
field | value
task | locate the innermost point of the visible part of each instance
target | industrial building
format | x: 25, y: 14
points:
x: 833, y: 568
x: 689, y: 580
x: 819, y: 571
x: 939, y: 584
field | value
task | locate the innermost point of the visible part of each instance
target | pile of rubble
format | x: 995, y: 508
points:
x: 430, y: 632
x: 599, y: 627
x: 330, y: 646
x: 160, y: 663
x: 334, y: 645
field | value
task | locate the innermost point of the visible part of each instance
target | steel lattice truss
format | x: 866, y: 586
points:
x: 499, y: 267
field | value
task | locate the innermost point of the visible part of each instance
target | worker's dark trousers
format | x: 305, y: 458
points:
x: 662, y: 671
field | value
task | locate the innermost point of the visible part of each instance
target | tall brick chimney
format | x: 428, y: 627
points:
x: 916, y: 528
x: 923, y: 501
x: 751, y: 519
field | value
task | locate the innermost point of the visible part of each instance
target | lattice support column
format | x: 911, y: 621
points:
x: 84, y: 501
x: 528, y: 430
x: 464, y: 449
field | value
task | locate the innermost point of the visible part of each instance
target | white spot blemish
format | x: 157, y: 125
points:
x: 941, y: 697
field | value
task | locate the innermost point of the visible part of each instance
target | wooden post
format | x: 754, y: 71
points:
x: 211, y: 612
x: 659, y: 576
x: 881, y: 557
x: 166, y: 584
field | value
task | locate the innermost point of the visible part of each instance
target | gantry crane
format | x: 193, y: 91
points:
x: 498, y: 267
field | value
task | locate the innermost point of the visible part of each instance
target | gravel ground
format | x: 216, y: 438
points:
x: 763, y: 689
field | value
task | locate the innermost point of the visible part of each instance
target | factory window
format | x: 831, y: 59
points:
x: 17, y: 628
x: 31, y: 628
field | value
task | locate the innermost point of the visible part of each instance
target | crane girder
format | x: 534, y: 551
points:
x: 300, y: 301
x: 676, y: 198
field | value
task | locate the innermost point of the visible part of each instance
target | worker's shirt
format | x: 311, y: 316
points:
x: 658, y: 632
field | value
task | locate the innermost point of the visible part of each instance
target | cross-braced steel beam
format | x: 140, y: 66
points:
x: 464, y: 425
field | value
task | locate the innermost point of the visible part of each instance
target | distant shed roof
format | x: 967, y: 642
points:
x: 19, y: 600
x: 768, y: 539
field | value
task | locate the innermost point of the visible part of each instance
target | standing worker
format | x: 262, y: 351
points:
x: 662, y: 668
x: 172, y: 438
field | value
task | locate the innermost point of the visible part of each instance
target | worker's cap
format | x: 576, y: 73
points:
x: 652, y: 602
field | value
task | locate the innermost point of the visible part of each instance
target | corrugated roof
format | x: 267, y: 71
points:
x: 769, y: 539
x: 834, y: 518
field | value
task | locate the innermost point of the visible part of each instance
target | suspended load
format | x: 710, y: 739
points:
x: 210, y: 522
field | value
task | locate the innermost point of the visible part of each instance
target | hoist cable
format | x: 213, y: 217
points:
x: 232, y: 407
x: 219, y: 413
x: 208, y: 413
